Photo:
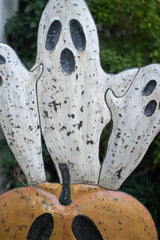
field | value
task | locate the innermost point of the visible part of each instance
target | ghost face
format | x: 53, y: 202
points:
x: 67, y: 34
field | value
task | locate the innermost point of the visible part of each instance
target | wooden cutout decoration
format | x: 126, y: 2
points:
x: 93, y: 212
x: 75, y: 99
x: 135, y: 124
x: 19, y: 116
x: 71, y: 89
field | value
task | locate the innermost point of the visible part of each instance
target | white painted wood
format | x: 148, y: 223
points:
x: 136, y: 122
x: 19, y: 115
x: 72, y: 105
x: 76, y: 100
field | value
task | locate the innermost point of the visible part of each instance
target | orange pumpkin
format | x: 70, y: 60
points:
x: 47, y: 212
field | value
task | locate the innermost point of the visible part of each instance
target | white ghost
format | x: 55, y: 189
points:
x: 136, y: 121
x: 72, y: 87
x: 19, y: 116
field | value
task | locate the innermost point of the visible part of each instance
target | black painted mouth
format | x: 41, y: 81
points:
x: 67, y: 61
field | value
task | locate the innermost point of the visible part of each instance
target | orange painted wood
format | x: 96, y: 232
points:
x: 117, y: 215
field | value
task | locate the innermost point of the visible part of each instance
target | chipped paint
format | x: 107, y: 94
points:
x: 71, y: 94
x: 120, y: 216
x: 75, y: 99
x: 19, y: 115
x: 135, y: 124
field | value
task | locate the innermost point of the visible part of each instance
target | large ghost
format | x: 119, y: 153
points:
x: 72, y: 87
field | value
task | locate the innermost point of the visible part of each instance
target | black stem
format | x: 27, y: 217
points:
x: 65, y: 197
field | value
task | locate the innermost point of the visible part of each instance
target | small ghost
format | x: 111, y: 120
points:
x: 19, y: 116
x: 136, y: 121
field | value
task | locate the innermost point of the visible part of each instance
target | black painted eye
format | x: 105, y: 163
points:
x: 67, y: 61
x: 150, y: 108
x: 84, y: 229
x: 77, y: 34
x: 2, y: 60
x: 53, y: 35
x: 1, y: 81
x: 149, y: 88
x: 41, y: 228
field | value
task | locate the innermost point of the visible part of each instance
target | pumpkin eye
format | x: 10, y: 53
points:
x: 84, y: 229
x: 41, y: 228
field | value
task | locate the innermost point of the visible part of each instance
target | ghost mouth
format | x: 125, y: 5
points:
x: 67, y: 61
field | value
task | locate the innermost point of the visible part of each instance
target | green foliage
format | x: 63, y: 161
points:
x: 11, y: 170
x: 129, y: 33
x: 22, y: 30
x: 129, y: 37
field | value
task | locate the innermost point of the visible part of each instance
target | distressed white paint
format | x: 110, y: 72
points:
x: 133, y: 130
x: 76, y: 102
x: 19, y: 115
x: 72, y: 106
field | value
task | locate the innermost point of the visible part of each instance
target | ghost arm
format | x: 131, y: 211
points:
x: 19, y: 113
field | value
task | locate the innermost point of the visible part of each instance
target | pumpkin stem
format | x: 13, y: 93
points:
x: 65, y: 197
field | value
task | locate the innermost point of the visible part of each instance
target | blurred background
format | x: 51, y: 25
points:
x: 129, y: 34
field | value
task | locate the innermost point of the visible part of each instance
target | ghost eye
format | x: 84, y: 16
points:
x: 78, y: 36
x: 149, y: 88
x: 1, y: 81
x: 41, y: 228
x: 2, y: 60
x: 84, y: 229
x: 150, y: 108
x: 53, y: 35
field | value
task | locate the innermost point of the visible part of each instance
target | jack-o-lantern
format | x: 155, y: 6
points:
x: 83, y: 212
x: 71, y: 103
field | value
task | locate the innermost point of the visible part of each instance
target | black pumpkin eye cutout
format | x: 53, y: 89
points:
x: 84, y: 228
x: 41, y: 228
x: 2, y: 60
x: 77, y: 35
x: 53, y: 35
